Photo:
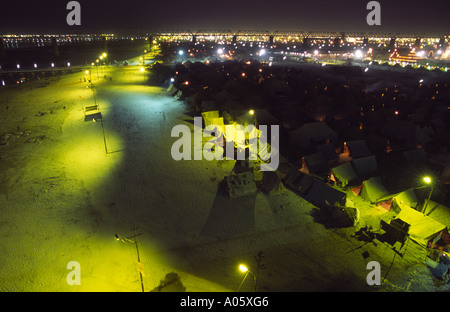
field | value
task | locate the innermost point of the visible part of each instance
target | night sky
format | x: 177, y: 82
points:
x: 398, y: 16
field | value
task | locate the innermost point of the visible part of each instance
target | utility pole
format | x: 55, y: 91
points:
x: 139, y: 259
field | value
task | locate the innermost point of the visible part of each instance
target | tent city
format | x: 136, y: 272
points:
x: 123, y: 167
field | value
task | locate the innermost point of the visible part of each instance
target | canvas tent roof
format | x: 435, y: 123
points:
x: 328, y: 151
x: 358, y: 148
x: 365, y: 166
x: 316, y: 162
x: 312, y: 133
x: 422, y: 228
x: 298, y: 181
x: 374, y: 190
x: 344, y: 173
x: 323, y: 195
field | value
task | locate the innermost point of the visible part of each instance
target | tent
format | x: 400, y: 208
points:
x: 298, y: 181
x: 374, y: 190
x: 344, y: 174
x: 316, y: 162
x: 323, y: 195
x: 328, y: 151
x: 358, y: 148
x: 365, y: 166
x: 422, y: 227
x: 209, y: 116
x: 311, y: 134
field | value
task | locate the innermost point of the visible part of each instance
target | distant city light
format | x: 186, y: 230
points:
x: 53, y: 65
x: 35, y: 65
x: 359, y: 54
x: 316, y: 52
x: 181, y: 52
x: 262, y: 52
x: 18, y: 66
x: 172, y: 79
x: 220, y: 51
x: 68, y: 64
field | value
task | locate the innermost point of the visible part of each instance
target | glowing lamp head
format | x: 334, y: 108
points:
x: 243, y: 268
x: 427, y: 180
x: 252, y: 112
x: 142, y: 69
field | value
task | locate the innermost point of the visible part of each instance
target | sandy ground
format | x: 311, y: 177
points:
x: 63, y: 198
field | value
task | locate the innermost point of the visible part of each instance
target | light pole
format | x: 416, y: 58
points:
x: 245, y: 270
x: 428, y: 181
x: 128, y: 240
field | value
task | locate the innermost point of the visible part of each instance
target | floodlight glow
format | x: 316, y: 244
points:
x: 316, y: 52
x: 262, y: 52
x: 252, y: 112
x: 427, y: 180
x: 180, y: 52
x: 359, y: 54
x: 220, y: 51
x: 243, y: 268
x: 142, y: 69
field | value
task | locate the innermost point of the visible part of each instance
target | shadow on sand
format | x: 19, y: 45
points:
x: 229, y: 217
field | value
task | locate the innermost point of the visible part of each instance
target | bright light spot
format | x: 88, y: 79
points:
x: 420, y: 53
x: 427, y: 180
x: 243, y: 74
x: 142, y: 69
x: 359, y: 54
x: 18, y: 66
x: 396, y: 112
x: 243, y: 268
x: 421, y: 80
x: 35, y: 65
x: 252, y: 112
x: 172, y: 79
x: 181, y: 52
x: 68, y: 64
x: 53, y: 64
x: 262, y: 52
x: 316, y: 52
x: 220, y: 51
x: 186, y: 82
x: 439, y: 52
x: 366, y: 70
x: 87, y: 72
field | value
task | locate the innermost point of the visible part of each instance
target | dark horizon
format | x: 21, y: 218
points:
x: 49, y: 16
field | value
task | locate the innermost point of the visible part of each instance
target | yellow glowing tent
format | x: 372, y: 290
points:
x: 422, y: 228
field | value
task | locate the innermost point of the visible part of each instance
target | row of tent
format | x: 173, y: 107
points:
x: 423, y: 228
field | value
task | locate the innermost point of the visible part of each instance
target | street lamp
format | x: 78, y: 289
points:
x: 245, y: 270
x: 428, y: 181
x: 128, y: 240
